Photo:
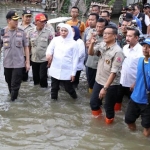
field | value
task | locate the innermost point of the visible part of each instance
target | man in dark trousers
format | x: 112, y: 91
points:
x: 15, y: 44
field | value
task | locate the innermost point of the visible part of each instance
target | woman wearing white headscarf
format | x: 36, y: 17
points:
x: 63, y: 53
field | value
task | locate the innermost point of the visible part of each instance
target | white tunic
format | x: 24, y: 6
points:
x: 129, y: 66
x: 81, y: 50
x: 65, y: 58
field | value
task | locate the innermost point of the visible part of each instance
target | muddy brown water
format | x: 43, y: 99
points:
x: 34, y: 121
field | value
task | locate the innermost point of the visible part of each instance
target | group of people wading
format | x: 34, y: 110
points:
x: 116, y: 64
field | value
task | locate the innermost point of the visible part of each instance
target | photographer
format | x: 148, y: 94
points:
x: 139, y: 104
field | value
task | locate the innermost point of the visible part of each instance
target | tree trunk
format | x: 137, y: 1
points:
x: 77, y: 2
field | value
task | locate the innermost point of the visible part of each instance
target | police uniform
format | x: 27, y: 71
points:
x: 110, y: 61
x: 39, y: 42
x: 27, y: 30
x: 92, y: 61
x: 121, y: 39
x: 14, y: 42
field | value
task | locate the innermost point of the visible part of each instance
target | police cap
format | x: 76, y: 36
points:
x: 12, y: 15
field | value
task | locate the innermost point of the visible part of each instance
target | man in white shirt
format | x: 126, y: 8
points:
x: 132, y: 51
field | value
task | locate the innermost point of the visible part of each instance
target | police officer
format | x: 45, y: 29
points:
x: 15, y: 44
x: 40, y: 38
x: 107, y: 76
x: 27, y: 26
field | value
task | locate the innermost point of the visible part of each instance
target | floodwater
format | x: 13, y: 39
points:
x: 34, y: 121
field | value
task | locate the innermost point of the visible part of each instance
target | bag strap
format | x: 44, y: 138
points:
x: 78, y: 24
x: 145, y: 82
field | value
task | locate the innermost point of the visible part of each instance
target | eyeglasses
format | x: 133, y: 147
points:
x: 107, y: 33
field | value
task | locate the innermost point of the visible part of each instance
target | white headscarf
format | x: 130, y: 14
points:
x: 60, y: 24
x: 70, y: 32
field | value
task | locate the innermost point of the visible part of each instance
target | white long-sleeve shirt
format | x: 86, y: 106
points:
x: 65, y: 58
x: 129, y: 66
x: 81, y: 50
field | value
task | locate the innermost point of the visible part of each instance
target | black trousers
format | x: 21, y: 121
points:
x: 77, y: 77
x: 91, y: 74
x: 13, y: 77
x: 25, y: 73
x: 68, y: 88
x: 110, y: 99
x: 122, y: 91
x: 40, y: 73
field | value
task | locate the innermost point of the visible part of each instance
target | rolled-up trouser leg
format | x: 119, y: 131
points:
x: 69, y: 88
x: 110, y: 100
x: 54, y: 88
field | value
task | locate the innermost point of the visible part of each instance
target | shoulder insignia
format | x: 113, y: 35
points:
x: 118, y: 59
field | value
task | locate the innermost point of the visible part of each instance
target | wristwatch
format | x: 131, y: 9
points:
x: 105, y: 88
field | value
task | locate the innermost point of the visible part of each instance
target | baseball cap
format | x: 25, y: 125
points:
x: 27, y: 12
x: 146, y: 5
x: 40, y: 17
x: 146, y: 41
x: 12, y: 15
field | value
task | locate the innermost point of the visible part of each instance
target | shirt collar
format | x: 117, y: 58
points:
x: 134, y: 48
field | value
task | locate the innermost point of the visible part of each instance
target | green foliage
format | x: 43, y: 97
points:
x: 124, y: 2
x: 111, y: 2
x: 65, y: 7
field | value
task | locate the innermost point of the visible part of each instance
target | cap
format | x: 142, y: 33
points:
x: 146, y: 5
x: 130, y: 7
x: 40, y: 17
x: 27, y: 12
x: 12, y: 15
x: 129, y: 16
x: 146, y: 41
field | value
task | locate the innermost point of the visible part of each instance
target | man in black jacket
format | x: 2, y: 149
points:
x: 144, y: 19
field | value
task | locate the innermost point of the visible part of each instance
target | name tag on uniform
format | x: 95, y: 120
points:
x: 19, y: 34
x: 44, y: 39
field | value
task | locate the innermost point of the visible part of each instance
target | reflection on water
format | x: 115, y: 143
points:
x: 34, y: 121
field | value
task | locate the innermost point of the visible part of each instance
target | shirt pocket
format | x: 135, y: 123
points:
x: 6, y: 43
x: 107, y: 62
x: 33, y: 42
x: 18, y: 42
x: 43, y: 42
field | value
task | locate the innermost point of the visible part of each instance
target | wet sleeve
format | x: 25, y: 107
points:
x: 25, y: 40
x: 117, y: 62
